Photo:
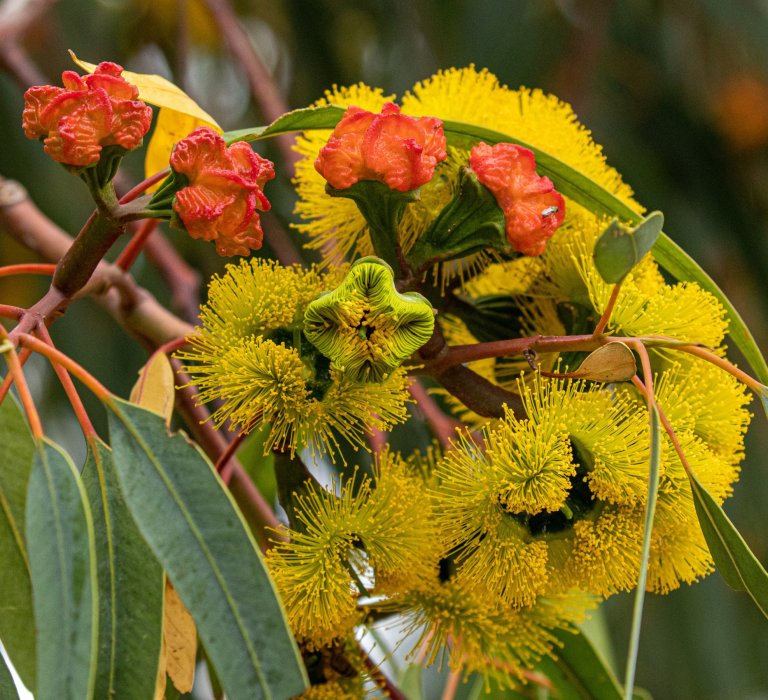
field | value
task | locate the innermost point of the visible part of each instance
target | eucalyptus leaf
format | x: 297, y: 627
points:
x: 17, y: 624
x: 305, y: 119
x: 595, y: 197
x: 733, y: 558
x: 130, y: 588
x: 613, y: 362
x: 62, y: 560
x: 194, y: 528
x: 570, y: 182
x: 619, y: 248
x: 578, y: 671
x: 410, y: 682
x: 7, y: 686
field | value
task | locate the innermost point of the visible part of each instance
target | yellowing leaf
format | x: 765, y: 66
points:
x: 155, y: 388
x: 160, y: 92
x: 179, y: 114
x: 180, y: 641
x: 613, y: 362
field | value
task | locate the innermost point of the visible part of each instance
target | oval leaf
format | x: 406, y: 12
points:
x: 130, y: 588
x: 613, y: 362
x: 305, y: 119
x: 155, y: 389
x: 200, y: 538
x: 17, y: 624
x: 619, y: 249
x: 733, y: 558
x: 60, y: 538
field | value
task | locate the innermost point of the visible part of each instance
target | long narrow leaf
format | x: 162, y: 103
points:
x: 200, y: 538
x: 568, y: 181
x: 733, y: 558
x: 17, y: 623
x: 130, y: 589
x: 650, y: 509
x: 63, y: 563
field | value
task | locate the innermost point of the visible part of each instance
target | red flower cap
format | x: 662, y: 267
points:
x: 224, y: 193
x: 89, y: 112
x: 532, y: 208
x: 390, y: 147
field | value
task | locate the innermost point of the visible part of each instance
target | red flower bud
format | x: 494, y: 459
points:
x: 89, y: 112
x: 224, y: 193
x: 390, y: 147
x: 532, y: 208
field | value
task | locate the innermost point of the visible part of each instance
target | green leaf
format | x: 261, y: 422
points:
x: 578, y: 671
x: 595, y: 197
x: 410, y: 682
x: 569, y: 182
x: 17, y: 624
x: 733, y: 558
x: 684, y: 268
x: 62, y: 559
x: 650, y: 510
x: 7, y: 686
x: 194, y: 528
x: 131, y: 588
x: 306, y: 119
x: 619, y: 249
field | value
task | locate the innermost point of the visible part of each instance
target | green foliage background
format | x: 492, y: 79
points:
x: 676, y: 92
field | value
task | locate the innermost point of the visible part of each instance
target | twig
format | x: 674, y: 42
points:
x: 451, y: 685
x: 15, y: 370
x: 443, y: 426
x: 603, y: 322
x: 89, y: 432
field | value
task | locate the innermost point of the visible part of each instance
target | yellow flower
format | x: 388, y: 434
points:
x: 250, y: 353
x: 472, y: 634
x: 381, y: 530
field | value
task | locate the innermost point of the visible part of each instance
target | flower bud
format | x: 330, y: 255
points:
x: 365, y: 326
x: 390, y: 147
x: 533, y: 209
x: 224, y: 192
x: 76, y: 121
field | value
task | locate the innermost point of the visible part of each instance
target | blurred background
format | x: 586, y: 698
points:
x: 676, y: 92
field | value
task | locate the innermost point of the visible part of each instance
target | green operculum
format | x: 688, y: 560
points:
x: 470, y: 222
x: 365, y: 326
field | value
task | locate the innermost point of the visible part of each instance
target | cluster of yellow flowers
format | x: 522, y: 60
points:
x: 479, y: 553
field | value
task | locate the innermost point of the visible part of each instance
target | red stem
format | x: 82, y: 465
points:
x: 443, y: 426
x: 134, y: 192
x: 603, y: 322
x: 126, y: 259
x: 17, y: 373
x: 224, y: 466
x: 89, y: 432
x: 57, y: 357
x: 8, y: 379
x: 8, y: 311
x: 28, y: 269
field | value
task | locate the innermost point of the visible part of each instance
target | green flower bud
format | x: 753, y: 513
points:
x: 365, y: 326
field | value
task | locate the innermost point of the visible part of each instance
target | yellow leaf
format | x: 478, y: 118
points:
x: 160, y: 682
x: 179, y: 640
x: 179, y: 115
x: 170, y: 128
x: 160, y: 92
x: 613, y: 362
x: 155, y: 388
